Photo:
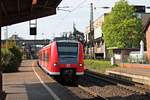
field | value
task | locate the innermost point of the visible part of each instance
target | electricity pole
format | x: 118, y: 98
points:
x: 92, y: 31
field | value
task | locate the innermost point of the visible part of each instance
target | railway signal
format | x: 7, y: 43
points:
x: 33, y: 27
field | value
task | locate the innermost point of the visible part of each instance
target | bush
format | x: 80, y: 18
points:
x: 98, y: 65
x: 6, y: 56
x: 17, y: 53
x: 11, y: 59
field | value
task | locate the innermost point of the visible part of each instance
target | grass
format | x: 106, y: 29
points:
x: 98, y: 65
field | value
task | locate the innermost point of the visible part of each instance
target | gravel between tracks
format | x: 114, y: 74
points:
x: 80, y: 93
x: 110, y: 91
x: 103, y: 89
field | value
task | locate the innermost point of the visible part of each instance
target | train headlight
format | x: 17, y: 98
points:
x: 55, y: 64
x: 81, y: 65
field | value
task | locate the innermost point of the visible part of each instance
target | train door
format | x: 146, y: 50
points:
x: 46, y: 58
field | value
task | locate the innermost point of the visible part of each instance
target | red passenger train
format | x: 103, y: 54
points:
x: 63, y: 58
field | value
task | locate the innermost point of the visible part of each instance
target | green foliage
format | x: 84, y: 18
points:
x: 17, y: 53
x: 121, y: 27
x: 97, y: 65
x: 6, y: 57
x: 10, y: 59
x: 9, y: 44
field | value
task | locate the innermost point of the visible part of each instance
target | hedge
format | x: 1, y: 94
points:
x: 98, y: 65
x: 6, y: 56
x: 11, y: 59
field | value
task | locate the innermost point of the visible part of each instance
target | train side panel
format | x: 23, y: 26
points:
x: 50, y: 61
x: 52, y: 67
x: 80, y: 68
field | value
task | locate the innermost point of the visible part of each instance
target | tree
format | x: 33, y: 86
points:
x: 122, y: 28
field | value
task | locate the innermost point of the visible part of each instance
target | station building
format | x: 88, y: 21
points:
x: 99, y: 47
x: 148, y: 40
x: 146, y: 29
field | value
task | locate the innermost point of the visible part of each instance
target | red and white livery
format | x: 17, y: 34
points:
x: 62, y: 58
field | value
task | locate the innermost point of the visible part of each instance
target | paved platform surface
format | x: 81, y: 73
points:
x: 135, y: 65
x: 140, y: 75
x: 25, y: 85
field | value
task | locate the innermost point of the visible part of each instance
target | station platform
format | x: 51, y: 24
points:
x: 23, y: 85
x: 135, y: 74
x: 31, y: 83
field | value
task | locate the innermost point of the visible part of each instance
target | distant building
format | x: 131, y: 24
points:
x: 99, y: 48
x: 146, y: 29
x: 15, y: 37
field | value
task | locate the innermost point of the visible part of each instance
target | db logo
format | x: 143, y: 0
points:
x: 68, y: 65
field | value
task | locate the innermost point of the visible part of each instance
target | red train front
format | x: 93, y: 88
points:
x: 63, y: 58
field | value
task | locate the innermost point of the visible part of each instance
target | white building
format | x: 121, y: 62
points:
x: 99, y: 48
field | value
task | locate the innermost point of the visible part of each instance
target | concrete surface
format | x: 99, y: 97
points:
x: 140, y: 75
x: 25, y: 85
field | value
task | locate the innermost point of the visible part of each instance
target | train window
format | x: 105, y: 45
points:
x: 43, y: 55
x: 46, y: 56
x: 40, y: 56
x: 49, y: 53
x: 67, y: 52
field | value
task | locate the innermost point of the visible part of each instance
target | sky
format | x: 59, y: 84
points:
x: 52, y: 26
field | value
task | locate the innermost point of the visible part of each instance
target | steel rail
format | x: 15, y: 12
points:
x: 91, y: 92
x: 119, y: 82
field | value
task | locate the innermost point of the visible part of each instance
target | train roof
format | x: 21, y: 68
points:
x: 71, y: 41
x: 65, y: 39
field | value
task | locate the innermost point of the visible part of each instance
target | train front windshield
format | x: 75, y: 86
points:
x: 67, y: 52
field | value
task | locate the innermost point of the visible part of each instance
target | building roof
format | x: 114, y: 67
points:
x: 15, y: 11
x: 145, y: 21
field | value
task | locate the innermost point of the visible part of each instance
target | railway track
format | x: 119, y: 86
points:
x: 132, y: 86
x: 98, y: 97
x: 94, y: 86
x: 81, y: 92
x: 103, y: 87
x: 84, y: 93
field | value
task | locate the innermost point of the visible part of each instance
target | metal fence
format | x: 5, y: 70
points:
x: 135, y: 59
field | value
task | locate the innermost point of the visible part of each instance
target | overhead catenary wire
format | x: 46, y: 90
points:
x: 77, y: 7
x: 70, y: 11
